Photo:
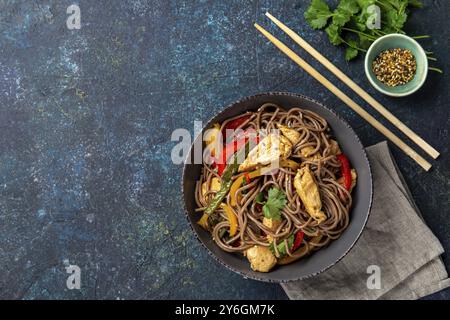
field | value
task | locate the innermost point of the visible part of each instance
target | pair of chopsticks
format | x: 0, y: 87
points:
x: 346, y: 99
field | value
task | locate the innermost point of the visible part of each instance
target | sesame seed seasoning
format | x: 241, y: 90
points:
x: 394, y: 67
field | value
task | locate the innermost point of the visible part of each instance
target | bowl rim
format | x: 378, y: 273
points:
x: 366, y: 218
x: 368, y: 70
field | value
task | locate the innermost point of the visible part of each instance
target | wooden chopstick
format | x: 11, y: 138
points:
x: 341, y: 95
x: 356, y: 88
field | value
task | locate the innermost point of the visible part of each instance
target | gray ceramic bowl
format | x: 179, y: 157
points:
x: 325, y: 257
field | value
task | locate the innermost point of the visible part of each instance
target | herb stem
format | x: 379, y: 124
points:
x: 431, y: 58
x: 361, y: 33
x: 435, y: 69
x: 379, y: 32
x: 382, y: 4
x: 353, y: 46
x: 421, y: 37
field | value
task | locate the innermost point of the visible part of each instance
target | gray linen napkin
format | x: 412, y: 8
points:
x: 395, y: 239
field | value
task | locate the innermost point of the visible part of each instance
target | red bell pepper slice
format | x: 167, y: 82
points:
x: 298, y: 240
x: 345, y: 170
x: 231, y: 148
x: 234, y: 124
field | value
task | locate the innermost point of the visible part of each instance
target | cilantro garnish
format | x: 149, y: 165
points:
x: 276, y: 201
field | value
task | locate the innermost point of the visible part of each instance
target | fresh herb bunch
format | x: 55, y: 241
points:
x: 347, y: 23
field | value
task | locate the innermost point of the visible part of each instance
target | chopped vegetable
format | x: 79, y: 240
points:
x: 203, y: 222
x: 211, y: 138
x: 260, y: 198
x: 275, y: 202
x: 213, y: 219
x: 231, y: 219
x: 354, y: 177
x: 299, y: 253
x: 232, y: 147
x: 298, y: 240
x: 228, y: 173
x: 247, y: 178
x: 214, y: 186
x: 294, y: 243
x: 236, y: 123
x: 220, y: 195
x: 345, y: 169
x: 282, y: 247
x: 238, y: 183
x: 229, y: 149
x: 222, y: 233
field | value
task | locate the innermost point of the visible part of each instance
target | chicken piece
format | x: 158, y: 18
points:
x: 271, y: 224
x: 270, y: 149
x: 306, y: 153
x: 354, y: 177
x: 261, y: 258
x: 334, y: 148
x: 291, y: 134
x: 308, y: 190
x: 215, y: 185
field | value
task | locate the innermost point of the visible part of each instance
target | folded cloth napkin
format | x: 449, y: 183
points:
x: 405, y: 253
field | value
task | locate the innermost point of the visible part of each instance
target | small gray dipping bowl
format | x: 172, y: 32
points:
x: 323, y: 258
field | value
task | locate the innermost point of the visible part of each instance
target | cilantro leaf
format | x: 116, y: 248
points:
x: 350, y: 53
x: 363, y: 4
x: 317, y: 14
x: 260, y: 198
x: 395, y: 19
x: 282, y: 247
x: 399, y: 4
x: 344, y: 11
x: 364, y: 41
x: 360, y: 20
x: 275, y: 202
x: 333, y: 32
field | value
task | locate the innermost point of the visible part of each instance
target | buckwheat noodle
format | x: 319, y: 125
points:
x: 336, y: 199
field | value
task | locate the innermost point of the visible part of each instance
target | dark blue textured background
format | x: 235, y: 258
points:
x: 86, y: 118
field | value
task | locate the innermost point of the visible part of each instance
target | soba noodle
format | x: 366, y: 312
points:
x: 323, y: 163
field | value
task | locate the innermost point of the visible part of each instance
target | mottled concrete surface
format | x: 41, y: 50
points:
x: 86, y: 117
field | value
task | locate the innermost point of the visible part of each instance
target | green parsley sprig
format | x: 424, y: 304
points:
x: 276, y: 201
